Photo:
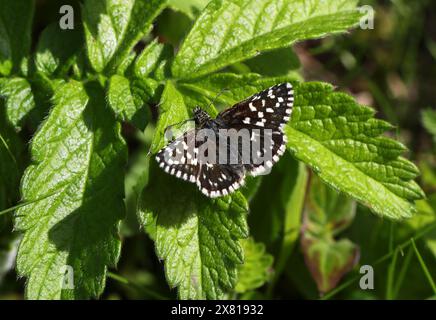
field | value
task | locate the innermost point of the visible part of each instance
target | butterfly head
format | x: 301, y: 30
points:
x: 200, y: 116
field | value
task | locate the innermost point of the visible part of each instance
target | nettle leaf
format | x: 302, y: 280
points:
x: 171, y: 111
x: 228, y: 88
x: 105, y: 23
x: 76, y: 189
x: 113, y: 27
x: 327, y: 213
x: 429, y: 122
x: 19, y: 99
x: 141, y: 18
x: 120, y: 97
x: 197, y: 237
x: 56, y: 47
x: 189, y: 7
x: 11, y: 150
x: 15, y: 27
x: 257, y: 266
x: 247, y: 27
x: 341, y: 141
x: 128, y: 99
x: 148, y: 60
x: 336, y: 137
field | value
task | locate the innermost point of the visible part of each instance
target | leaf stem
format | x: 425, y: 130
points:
x: 424, y: 266
x: 138, y: 287
x: 23, y: 204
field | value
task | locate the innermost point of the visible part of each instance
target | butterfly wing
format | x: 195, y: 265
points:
x: 178, y: 158
x: 220, y: 180
x: 264, y: 115
x: 181, y: 158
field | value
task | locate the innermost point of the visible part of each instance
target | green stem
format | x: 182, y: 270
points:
x: 138, y: 287
x: 402, y: 274
x: 23, y: 204
x: 424, y: 267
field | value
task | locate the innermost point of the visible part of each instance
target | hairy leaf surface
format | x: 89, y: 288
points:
x: 76, y: 185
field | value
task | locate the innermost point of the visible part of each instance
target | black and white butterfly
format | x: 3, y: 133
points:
x: 262, y: 115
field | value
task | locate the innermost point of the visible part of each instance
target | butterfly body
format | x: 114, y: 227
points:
x: 247, y: 138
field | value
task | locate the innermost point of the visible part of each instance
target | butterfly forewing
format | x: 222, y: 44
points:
x: 265, y: 115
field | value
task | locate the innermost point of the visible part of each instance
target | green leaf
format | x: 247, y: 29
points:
x: 128, y: 99
x: 274, y: 63
x: 56, y: 47
x: 113, y: 27
x: 120, y: 98
x: 278, y: 187
x: 327, y: 213
x: 148, y: 59
x: 191, y: 8
x: 77, y: 184
x: 329, y: 261
x: 172, y: 110
x: 340, y: 140
x: 141, y: 18
x: 247, y: 27
x: 197, y: 237
x: 336, y: 137
x: 256, y: 269
x: 19, y: 99
x: 105, y: 23
x: 229, y: 88
x: 293, y: 203
x: 429, y: 122
x: 15, y: 27
x: 11, y: 150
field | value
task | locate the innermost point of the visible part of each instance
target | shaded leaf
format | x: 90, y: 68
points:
x: 15, y: 27
x: 19, y: 99
x: 77, y: 178
x: 274, y: 63
x: 429, y: 122
x: 197, y: 237
x: 327, y: 213
x: 256, y: 269
x: 148, y: 59
x: 141, y: 18
x: 56, y: 47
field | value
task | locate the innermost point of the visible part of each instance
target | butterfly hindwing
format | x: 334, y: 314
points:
x: 220, y: 180
x: 178, y: 158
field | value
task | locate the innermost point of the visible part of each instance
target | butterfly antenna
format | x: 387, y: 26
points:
x: 217, y: 96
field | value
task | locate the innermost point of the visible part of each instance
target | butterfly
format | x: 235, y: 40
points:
x: 196, y: 156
